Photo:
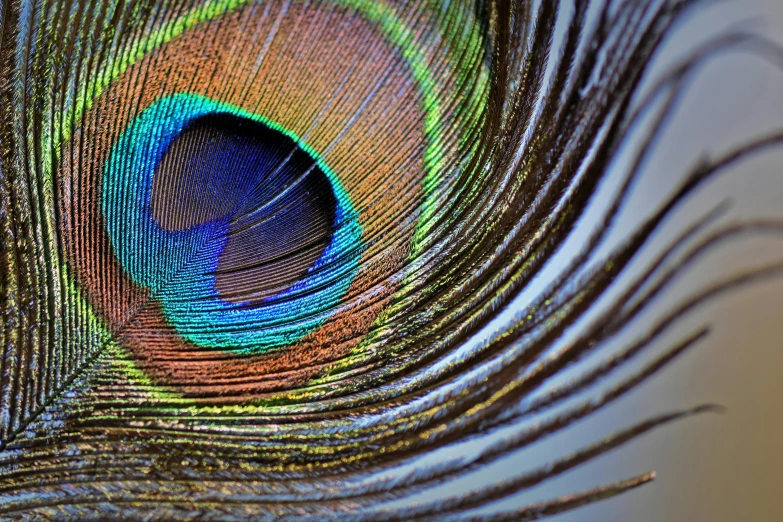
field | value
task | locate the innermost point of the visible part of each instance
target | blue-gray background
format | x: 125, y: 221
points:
x: 727, y: 467
x: 718, y: 468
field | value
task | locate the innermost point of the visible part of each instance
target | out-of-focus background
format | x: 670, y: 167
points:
x: 724, y: 467
x: 727, y: 467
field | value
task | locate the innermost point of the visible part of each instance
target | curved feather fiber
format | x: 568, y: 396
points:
x: 254, y: 253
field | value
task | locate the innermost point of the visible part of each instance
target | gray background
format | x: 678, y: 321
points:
x: 717, y: 467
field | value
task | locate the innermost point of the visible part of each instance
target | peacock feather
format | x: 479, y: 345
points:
x: 264, y: 259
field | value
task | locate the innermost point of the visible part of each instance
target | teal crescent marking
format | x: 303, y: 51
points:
x: 178, y: 267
